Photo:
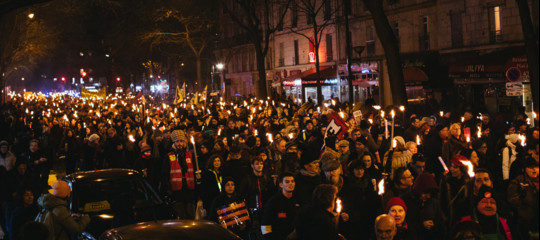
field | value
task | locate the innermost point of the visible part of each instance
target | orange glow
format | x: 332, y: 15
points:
x: 381, y: 187
x: 470, y: 167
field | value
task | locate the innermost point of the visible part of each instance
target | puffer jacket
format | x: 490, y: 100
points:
x: 65, y: 226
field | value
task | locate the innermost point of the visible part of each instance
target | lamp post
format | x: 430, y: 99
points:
x: 220, y: 66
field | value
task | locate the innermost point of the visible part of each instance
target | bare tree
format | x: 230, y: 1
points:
x: 531, y: 44
x: 391, y: 51
x: 184, y: 24
x: 255, y: 17
x: 319, y: 14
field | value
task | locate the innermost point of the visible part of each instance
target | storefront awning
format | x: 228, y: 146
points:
x: 412, y: 75
x: 311, y: 74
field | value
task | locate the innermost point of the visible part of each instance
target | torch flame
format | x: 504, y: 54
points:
x: 338, y: 205
x: 192, y: 140
x: 479, y: 133
x: 393, y: 113
x: 219, y: 132
x: 462, y: 119
x: 381, y: 187
x: 269, y: 135
x: 470, y: 167
x: 468, y: 139
x: 290, y: 136
x: 370, y: 121
x: 441, y: 113
x: 394, y: 143
x: 256, y: 132
x: 342, y: 115
x: 417, y: 140
x: 523, y: 140
x: 131, y: 138
x: 402, y: 108
x: 377, y: 107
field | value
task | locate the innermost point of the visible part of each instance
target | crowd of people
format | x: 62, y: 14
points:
x: 269, y: 169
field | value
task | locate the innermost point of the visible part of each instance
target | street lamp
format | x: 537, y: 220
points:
x: 31, y: 15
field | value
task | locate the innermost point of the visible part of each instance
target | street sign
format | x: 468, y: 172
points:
x: 514, y: 89
x: 513, y: 74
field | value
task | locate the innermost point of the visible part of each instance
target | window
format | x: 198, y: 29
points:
x: 495, y: 32
x: 281, y: 55
x: 329, y: 49
x: 395, y: 27
x: 296, y: 59
x: 456, y: 28
x: 370, y: 41
x: 294, y: 14
x: 327, y: 9
x: 424, y: 36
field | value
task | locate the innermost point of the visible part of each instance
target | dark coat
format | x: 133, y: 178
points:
x: 315, y: 223
x: 65, y: 226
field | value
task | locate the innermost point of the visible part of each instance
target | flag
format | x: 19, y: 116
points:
x: 204, y: 93
x: 336, y: 126
x: 180, y: 93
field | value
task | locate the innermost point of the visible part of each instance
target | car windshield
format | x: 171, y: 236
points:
x: 97, y: 196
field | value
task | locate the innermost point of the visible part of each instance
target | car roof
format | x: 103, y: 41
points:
x: 102, y: 175
x: 172, y: 229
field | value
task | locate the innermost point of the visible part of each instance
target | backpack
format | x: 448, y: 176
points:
x: 47, y: 218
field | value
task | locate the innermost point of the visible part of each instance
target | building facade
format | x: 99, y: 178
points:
x: 466, y: 46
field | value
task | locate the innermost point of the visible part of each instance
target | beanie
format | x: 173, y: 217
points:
x: 177, y: 135
x: 395, y: 201
x: 328, y: 156
x: 61, y: 189
x: 343, y: 143
x: 330, y: 165
x: 425, y: 183
x: 307, y: 157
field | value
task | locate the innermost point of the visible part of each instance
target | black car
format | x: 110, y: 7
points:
x: 94, y: 191
x: 170, y: 230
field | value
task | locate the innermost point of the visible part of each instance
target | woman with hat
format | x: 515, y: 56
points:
x: 397, y: 208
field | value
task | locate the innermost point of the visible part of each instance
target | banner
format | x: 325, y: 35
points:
x: 336, y: 126
x: 100, y: 94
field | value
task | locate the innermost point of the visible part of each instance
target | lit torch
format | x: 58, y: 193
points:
x: 470, y: 168
x: 381, y: 187
x: 523, y: 140
x: 131, y: 138
x: 479, y: 133
x: 338, y: 205
x: 270, y: 139
x: 417, y: 140
x: 441, y: 113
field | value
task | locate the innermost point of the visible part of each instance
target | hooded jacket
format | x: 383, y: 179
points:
x: 65, y: 226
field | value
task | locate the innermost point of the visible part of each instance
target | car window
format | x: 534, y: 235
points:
x: 97, y: 196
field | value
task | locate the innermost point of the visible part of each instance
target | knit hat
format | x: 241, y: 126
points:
x: 343, y: 143
x: 61, y: 189
x: 328, y: 156
x: 145, y: 147
x: 307, y: 157
x: 330, y: 165
x: 395, y: 201
x: 425, y: 183
x: 484, y: 192
x: 177, y: 135
x: 93, y: 137
x: 456, y: 160
x: 529, y: 162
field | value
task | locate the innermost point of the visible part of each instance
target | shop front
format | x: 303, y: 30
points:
x: 481, y: 80
x: 303, y: 85
x: 365, y: 80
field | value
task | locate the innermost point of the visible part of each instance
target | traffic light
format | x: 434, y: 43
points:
x: 63, y: 79
x: 118, y: 79
x: 83, y: 73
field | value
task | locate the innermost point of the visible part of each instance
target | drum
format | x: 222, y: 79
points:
x: 233, y: 215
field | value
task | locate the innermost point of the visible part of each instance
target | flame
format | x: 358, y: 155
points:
x: 393, y: 113
x: 290, y: 136
x: 382, y: 114
x: 534, y: 114
x: 219, y: 132
x: 479, y: 133
x: 370, y: 121
x: 402, y: 108
x: 338, y: 205
x: 468, y: 139
x: 462, y: 119
x: 394, y: 143
x: 377, y: 107
x: 381, y: 187
x: 269, y: 135
x: 342, y: 115
x: 417, y: 139
x: 528, y: 121
x: 470, y: 167
x: 523, y: 140
x: 255, y: 133
x: 131, y: 138
x: 192, y: 140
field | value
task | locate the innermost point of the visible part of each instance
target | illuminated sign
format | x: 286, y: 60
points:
x: 311, y: 57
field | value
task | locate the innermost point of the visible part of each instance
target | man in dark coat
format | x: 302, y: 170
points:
x: 280, y: 211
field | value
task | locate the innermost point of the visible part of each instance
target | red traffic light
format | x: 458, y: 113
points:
x: 118, y: 79
x: 63, y: 79
x: 83, y: 73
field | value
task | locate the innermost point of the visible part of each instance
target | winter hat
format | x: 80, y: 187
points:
x: 456, y: 161
x: 400, y: 140
x: 530, y: 163
x: 145, y: 147
x: 330, y: 165
x: 364, y: 124
x: 343, y: 143
x: 362, y: 140
x: 93, y: 137
x: 512, y: 137
x: 177, y: 135
x: 356, y: 164
x: 485, y: 192
x: 61, y: 189
x: 328, y: 156
x: 425, y: 183
x: 307, y: 157
x: 396, y: 201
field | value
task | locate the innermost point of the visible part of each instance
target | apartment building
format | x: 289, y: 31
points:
x: 460, y: 46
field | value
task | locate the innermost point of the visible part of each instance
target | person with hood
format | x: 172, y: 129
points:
x: 360, y: 201
x: 308, y: 177
x: 485, y: 212
x: 425, y: 213
x: 7, y: 158
x: 396, y: 157
x: 511, y: 154
x: 65, y: 224
x: 523, y: 196
x: 397, y: 208
x: 227, y: 199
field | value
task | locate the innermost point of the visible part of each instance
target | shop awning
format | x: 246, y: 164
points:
x: 412, y: 75
x: 311, y: 74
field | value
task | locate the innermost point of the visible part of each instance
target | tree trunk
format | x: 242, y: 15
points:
x: 531, y: 47
x: 199, y: 73
x: 391, y: 51
x: 261, y: 89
